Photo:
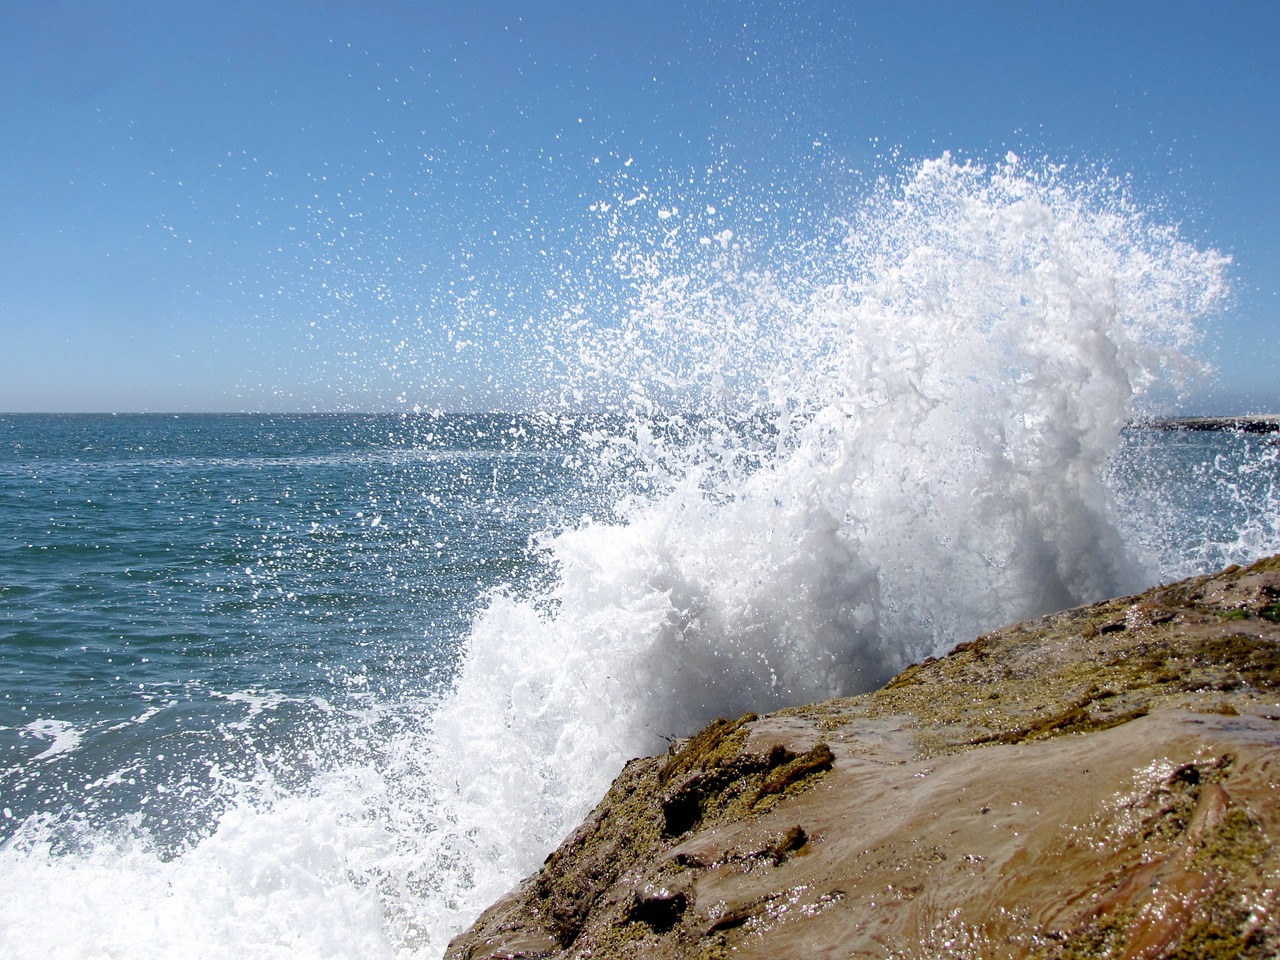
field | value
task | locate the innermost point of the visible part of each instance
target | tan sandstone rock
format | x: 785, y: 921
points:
x: 1102, y: 782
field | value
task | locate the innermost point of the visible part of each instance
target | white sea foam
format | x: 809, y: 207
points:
x: 890, y: 443
x: 64, y: 737
x: 286, y: 878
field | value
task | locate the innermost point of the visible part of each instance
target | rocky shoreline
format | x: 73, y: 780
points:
x: 1100, y: 782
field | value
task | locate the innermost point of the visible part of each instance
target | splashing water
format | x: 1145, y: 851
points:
x: 841, y: 455
x: 938, y: 396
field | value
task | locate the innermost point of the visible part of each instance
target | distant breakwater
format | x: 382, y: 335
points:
x: 1253, y: 423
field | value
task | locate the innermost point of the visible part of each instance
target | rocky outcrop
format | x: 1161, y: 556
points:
x: 1102, y: 782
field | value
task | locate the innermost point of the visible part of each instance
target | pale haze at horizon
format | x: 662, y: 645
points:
x: 225, y: 207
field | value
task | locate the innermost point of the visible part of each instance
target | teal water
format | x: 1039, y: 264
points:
x: 183, y: 598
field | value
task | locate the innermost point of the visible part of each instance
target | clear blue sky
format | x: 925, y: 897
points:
x: 265, y: 206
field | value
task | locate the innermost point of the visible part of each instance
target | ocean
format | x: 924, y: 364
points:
x: 326, y: 685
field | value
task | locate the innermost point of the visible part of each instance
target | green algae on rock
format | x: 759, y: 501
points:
x: 1102, y: 782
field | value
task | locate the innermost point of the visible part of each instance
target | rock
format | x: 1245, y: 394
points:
x: 1102, y: 782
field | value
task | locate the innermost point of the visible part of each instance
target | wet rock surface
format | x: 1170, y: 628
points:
x: 1101, y: 782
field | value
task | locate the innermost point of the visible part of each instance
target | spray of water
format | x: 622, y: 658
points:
x: 841, y: 454
x: 900, y: 442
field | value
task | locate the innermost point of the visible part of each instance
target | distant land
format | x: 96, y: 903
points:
x: 1252, y: 423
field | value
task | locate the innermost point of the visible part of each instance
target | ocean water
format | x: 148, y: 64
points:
x: 327, y: 685
x: 170, y: 578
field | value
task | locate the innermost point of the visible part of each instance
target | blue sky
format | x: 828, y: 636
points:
x: 286, y: 206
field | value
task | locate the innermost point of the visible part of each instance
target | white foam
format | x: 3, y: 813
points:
x: 278, y: 879
x: 64, y: 735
